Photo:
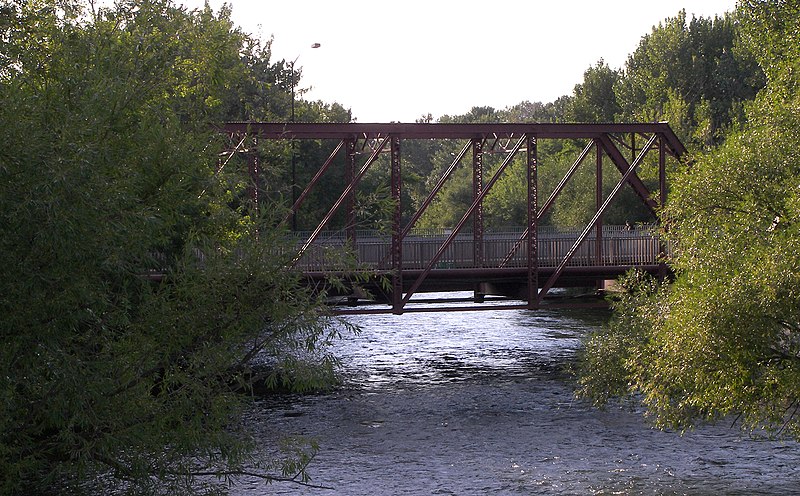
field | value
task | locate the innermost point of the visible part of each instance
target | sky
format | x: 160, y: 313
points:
x: 397, y: 61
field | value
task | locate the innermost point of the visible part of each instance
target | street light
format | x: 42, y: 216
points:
x: 294, y: 143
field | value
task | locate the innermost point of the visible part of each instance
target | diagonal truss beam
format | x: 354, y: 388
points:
x: 322, y: 170
x: 478, y: 199
x: 548, y: 203
x: 347, y: 191
x: 622, y: 164
x: 625, y: 178
x: 429, y: 199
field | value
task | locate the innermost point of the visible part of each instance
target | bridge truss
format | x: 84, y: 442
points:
x: 359, y: 145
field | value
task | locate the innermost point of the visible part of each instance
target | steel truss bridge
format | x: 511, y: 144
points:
x: 521, y: 264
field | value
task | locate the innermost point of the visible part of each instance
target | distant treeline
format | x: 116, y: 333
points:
x: 694, y: 73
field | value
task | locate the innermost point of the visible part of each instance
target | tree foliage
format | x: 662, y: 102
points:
x: 724, y: 338
x: 594, y: 100
x: 697, y: 74
x: 691, y: 73
x: 133, y: 297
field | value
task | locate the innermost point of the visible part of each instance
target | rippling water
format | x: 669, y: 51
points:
x: 478, y: 403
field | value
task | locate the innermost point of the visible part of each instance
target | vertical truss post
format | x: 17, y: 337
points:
x: 254, y: 169
x: 350, y: 202
x: 662, y: 172
x: 598, y: 251
x: 397, y: 237
x: 582, y: 237
x: 314, y: 181
x: 662, y: 200
x: 533, y: 229
x: 477, y: 187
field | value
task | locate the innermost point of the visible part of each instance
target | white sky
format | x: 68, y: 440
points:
x: 398, y: 60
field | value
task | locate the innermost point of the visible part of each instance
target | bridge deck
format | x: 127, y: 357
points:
x: 498, y: 274
x: 618, y: 247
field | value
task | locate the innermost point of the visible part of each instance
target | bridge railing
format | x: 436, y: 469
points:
x: 619, y: 247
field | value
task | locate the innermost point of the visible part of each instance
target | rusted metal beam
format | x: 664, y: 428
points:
x: 397, y: 239
x: 533, y: 222
x: 322, y: 170
x: 549, y: 203
x: 254, y: 170
x: 477, y: 187
x: 624, y: 179
x: 463, y: 221
x: 349, y: 176
x: 307, y: 130
x: 622, y: 164
x: 598, y: 254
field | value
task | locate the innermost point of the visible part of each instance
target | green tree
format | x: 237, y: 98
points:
x: 535, y: 112
x: 724, y: 338
x: 693, y: 75
x: 133, y: 298
x: 594, y: 100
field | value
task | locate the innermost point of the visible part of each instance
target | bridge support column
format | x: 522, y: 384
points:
x: 254, y: 169
x: 477, y: 220
x: 397, y: 236
x: 598, y: 250
x: 350, y: 206
x: 533, y: 225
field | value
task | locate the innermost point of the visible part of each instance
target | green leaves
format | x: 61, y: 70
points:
x: 108, y: 177
x: 723, y: 339
x: 692, y: 74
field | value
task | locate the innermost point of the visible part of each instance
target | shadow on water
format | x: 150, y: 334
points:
x: 479, y: 403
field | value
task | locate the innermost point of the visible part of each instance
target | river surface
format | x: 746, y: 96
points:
x: 479, y: 403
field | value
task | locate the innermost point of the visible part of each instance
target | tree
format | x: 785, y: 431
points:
x: 693, y: 75
x: 133, y: 297
x: 724, y: 338
x: 594, y: 100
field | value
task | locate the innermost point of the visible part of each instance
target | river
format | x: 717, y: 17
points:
x: 479, y: 403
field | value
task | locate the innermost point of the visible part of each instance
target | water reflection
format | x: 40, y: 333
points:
x: 478, y: 403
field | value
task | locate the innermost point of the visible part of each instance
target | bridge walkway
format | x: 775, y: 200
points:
x: 503, y: 271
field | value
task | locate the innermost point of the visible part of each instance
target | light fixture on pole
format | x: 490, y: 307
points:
x: 294, y: 162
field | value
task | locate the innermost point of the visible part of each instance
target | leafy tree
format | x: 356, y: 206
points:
x: 476, y: 114
x: 594, y: 100
x: 452, y: 201
x: 506, y: 204
x: 724, y: 338
x: 770, y: 35
x: 535, y: 112
x: 693, y: 75
x: 133, y: 298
